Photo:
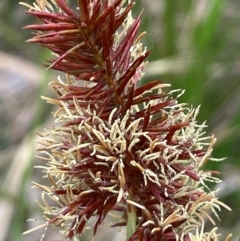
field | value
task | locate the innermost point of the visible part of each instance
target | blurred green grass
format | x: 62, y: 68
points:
x: 196, y: 47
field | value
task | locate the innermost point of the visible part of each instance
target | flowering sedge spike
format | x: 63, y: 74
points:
x: 118, y: 146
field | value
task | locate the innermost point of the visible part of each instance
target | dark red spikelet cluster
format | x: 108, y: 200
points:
x: 89, y: 49
x: 119, y: 146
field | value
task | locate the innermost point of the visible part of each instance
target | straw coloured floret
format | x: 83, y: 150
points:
x: 118, y: 146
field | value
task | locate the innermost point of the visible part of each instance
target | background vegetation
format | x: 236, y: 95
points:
x: 195, y: 46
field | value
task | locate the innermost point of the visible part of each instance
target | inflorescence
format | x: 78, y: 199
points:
x: 118, y: 146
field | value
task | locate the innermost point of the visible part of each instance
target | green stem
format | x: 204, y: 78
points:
x: 131, y: 218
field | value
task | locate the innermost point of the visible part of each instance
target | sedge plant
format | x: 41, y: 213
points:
x: 118, y: 146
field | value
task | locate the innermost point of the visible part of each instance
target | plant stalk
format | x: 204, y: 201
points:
x: 131, y: 218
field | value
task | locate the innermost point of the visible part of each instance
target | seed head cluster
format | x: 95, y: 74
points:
x: 118, y: 146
